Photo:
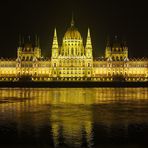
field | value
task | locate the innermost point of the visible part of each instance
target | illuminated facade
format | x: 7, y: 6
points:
x: 72, y: 61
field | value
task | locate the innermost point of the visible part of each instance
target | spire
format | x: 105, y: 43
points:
x: 23, y: 40
x: 88, y: 34
x: 108, y: 44
x: 20, y: 41
x: 55, y: 40
x: 55, y: 47
x: 29, y: 38
x: 55, y: 33
x: 88, y: 41
x: 37, y: 41
x: 116, y: 39
x: 108, y: 48
x: 72, y: 21
x: 88, y: 45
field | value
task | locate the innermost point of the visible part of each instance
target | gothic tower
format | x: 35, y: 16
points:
x: 19, y: 50
x: 116, y: 50
x: 108, y: 49
x: 55, y: 47
x: 89, y: 56
x: 55, y: 54
x: 88, y: 47
x: 37, y: 50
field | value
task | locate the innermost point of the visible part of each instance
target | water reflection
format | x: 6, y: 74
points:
x: 74, y: 117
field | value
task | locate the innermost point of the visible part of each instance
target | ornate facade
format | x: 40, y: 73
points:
x: 72, y: 61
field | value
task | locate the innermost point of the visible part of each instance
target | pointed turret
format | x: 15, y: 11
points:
x: 88, y: 45
x: 108, y: 43
x: 36, y: 41
x: 55, y: 46
x: 108, y: 48
x: 23, y: 40
x: 72, y: 21
x: 37, y: 47
x: 55, y: 40
x: 88, y: 41
x: 19, y: 50
x: 20, y: 41
x: 125, y: 48
x: 29, y: 38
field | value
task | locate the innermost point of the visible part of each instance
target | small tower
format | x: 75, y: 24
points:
x: 55, y: 47
x: 125, y: 49
x: 20, y: 41
x: 88, y: 47
x: 89, y: 57
x: 37, y: 50
x: 117, y: 50
x: 108, y: 49
x: 36, y: 41
x: 19, y: 50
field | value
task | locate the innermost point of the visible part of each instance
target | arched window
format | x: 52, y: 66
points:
x: 113, y: 58
x: 72, y: 51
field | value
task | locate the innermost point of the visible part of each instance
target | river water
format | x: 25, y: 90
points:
x: 73, y: 117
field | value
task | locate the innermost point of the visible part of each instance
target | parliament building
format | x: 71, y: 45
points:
x: 72, y: 61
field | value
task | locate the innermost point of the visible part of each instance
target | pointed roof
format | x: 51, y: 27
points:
x: 108, y: 42
x: 72, y: 32
x: 55, y: 40
x: 88, y: 33
x: 72, y: 21
x: 36, y: 40
x: 88, y: 40
x: 55, y: 33
x: 20, y: 40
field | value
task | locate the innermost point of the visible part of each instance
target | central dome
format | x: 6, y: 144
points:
x: 72, y: 32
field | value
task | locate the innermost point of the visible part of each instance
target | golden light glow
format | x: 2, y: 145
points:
x: 72, y: 61
x: 72, y: 109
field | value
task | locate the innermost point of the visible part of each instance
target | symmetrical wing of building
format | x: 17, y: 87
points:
x: 72, y: 61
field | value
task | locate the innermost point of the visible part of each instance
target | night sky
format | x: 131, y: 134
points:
x: 126, y: 19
